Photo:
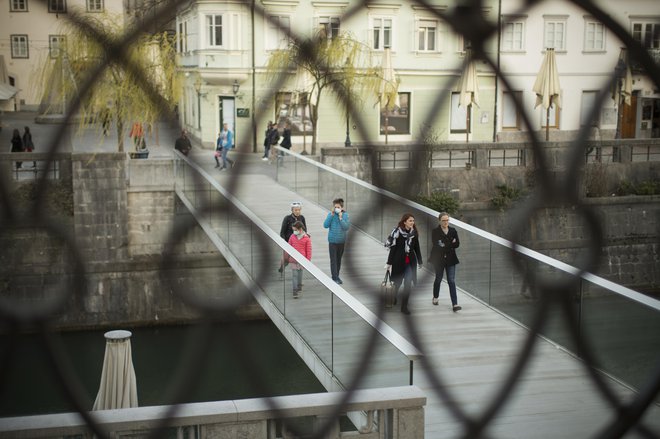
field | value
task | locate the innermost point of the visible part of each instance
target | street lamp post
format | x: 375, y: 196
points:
x: 347, y: 143
x: 198, y: 89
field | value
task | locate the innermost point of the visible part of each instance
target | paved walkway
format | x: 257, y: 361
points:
x: 473, y: 350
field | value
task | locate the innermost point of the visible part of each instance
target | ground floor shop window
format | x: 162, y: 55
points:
x: 397, y: 120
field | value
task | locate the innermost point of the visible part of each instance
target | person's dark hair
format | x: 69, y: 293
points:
x: 27, y: 129
x: 16, y: 133
x: 404, y: 218
x: 298, y: 225
x: 339, y: 201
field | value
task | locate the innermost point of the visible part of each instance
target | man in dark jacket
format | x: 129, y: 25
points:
x: 182, y: 144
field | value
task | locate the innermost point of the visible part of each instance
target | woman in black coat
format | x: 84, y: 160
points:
x: 443, y: 258
x: 404, y: 257
x: 17, y: 146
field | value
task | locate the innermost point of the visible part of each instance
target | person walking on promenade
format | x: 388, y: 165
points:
x: 301, y: 242
x: 28, y: 145
x: 443, y: 258
x: 182, y: 144
x: 286, y: 140
x: 268, y: 137
x: 227, y: 143
x: 17, y: 145
x: 404, y: 257
x: 287, y: 227
x: 337, y: 223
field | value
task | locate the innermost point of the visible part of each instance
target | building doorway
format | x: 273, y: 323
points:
x: 227, y: 114
x: 629, y: 118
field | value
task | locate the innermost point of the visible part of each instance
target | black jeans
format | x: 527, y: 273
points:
x: 336, y: 252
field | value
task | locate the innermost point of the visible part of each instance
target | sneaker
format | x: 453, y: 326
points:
x: 339, y: 281
x: 435, y: 301
x: 264, y: 159
x: 222, y: 169
x: 405, y: 311
x: 295, y: 294
x: 217, y: 166
x: 457, y: 308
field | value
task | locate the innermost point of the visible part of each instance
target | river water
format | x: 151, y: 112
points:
x: 29, y: 386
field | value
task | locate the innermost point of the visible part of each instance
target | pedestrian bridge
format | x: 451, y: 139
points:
x: 508, y: 365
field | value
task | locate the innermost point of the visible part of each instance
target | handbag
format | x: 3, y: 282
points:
x: 387, y: 290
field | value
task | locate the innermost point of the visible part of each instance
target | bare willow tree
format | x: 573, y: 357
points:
x: 119, y: 91
x: 341, y: 64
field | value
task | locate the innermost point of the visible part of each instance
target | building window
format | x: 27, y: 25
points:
x: 647, y: 34
x: 183, y: 37
x: 510, y: 112
x: 459, y: 114
x: 427, y: 34
x: 382, y: 32
x: 513, y: 36
x: 18, y: 6
x: 394, y: 160
x: 398, y: 118
x: 57, y: 6
x: 330, y: 26
x: 95, y: 6
x: 278, y: 30
x: 594, y: 37
x: 554, y: 116
x: 587, y: 105
x: 214, y: 30
x: 451, y: 159
x: 555, y: 34
x: 293, y: 108
x: 56, y: 44
x: 19, y: 46
x: 505, y: 157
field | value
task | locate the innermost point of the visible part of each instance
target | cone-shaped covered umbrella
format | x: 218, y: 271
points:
x: 118, y: 388
x: 547, y: 87
x: 388, y: 93
x: 468, y: 88
x: 622, y: 89
x: 304, y: 86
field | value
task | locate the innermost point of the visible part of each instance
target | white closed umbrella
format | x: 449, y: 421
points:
x: 388, y: 91
x: 468, y: 88
x: 547, y: 87
x: 118, y: 387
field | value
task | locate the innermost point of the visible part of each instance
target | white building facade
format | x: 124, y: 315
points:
x: 227, y: 44
x: 31, y: 32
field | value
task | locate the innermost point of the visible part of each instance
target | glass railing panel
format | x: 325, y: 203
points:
x: 624, y: 334
x: 363, y: 205
x: 267, y: 257
x: 307, y: 181
x: 311, y: 314
x: 239, y: 237
x: 387, y: 366
x: 286, y: 171
x: 331, y: 186
x: 473, y: 271
x: 218, y: 214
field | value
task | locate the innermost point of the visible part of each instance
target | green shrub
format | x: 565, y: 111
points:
x: 506, y: 196
x: 646, y: 187
x: 440, y: 201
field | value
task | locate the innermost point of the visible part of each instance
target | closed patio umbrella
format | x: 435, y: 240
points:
x: 468, y: 88
x: 547, y: 87
x: 388, y: 92
x: 304, y: 86
x: 118, y: 388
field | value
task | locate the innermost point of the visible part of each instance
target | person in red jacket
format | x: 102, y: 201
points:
x: 301, y: 242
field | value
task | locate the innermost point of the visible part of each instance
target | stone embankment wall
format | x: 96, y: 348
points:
x: 125, y: 213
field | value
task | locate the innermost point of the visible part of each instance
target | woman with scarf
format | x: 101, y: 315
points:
x: 404, y: 257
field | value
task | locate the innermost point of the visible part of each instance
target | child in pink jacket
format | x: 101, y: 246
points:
x: 301, y: 242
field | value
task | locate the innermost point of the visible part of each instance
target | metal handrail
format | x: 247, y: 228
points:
x: 400, y: 343
x: 567, y: 268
